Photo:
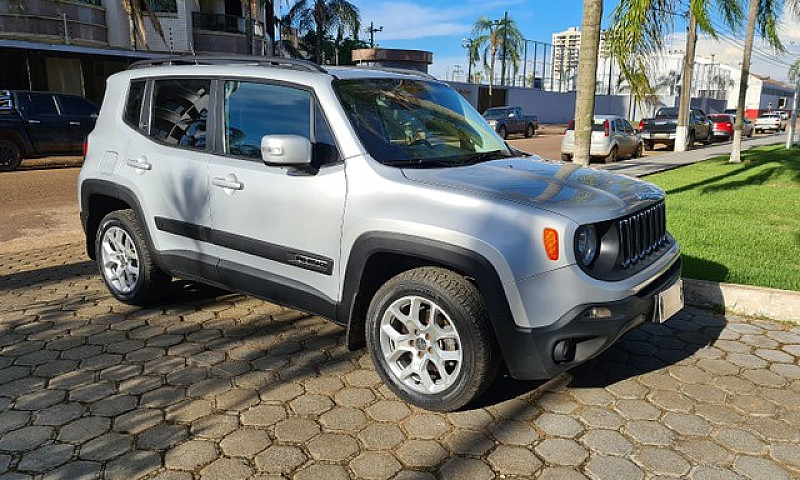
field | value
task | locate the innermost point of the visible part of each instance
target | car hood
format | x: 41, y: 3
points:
x: 584, y: 195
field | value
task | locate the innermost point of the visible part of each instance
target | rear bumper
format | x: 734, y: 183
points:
x: 658, y: 137
x: 531, y: 353
x: 723, y: 134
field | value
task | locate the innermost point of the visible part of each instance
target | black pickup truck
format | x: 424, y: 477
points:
x: 662, y: 128
x: 507, y: 120
x: 37, y: 124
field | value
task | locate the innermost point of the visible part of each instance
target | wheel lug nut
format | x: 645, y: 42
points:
x: 430, y: 349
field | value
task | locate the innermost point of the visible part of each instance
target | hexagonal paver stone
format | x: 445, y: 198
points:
x: 79, y: 469
x: 459, y: 468
x: 310, y: 404
x: 375, y: 465
x: 59, y: 414
x: 612, y: 468
x: 138, y: 420
x: 189, y: 410
x: 25, y: 438
x: 323, y: 385
x: 45, y: 458
x: 381, y: 436
x: 320, y: 471
x: 280, y: 392
x: 662, y: 461
x: 635, y: 409
x: 113, y: 405
x: 332, y: 447
x: 190, y: 455
x: 162, y: 437
x: 280, y: 459
x: 757, y: 468
x: 740, y: 441
x: 343, y: 418
x: 607, y: 441
x: 687, y: 424
x: 421, y: 453
x: 511, y: 432
x: 354, y: 397
x: 786, y: 454
x: 468, y: 442
x: 514, y: 460
x: 296, y: 430
x: 388, y: 411
x: 214, y: 425
x: 426, y: 426
x: 559, y: 425
x: 136, y: 464
x: 226, y: 468
x: 560, y: 451
x: 560, y: 473
x: 263, y: 415
x: 245, y: 443
x: 39, y: 400
x: 106, y: 447
x: 648, y: 433
x: 471, y: 419
x: 84, y: 429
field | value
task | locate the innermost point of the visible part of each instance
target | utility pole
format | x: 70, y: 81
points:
x: 793, y: 119
x: 681, y: 132
x: 372, y: 31
x: 505, y: 40
x: 468, y: 44
x: 525, y: 63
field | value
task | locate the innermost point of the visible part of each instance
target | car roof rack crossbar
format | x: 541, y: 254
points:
x: 279, y: 62
x: 405, y: 71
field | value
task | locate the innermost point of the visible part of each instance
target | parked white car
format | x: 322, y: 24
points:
x: 772, y: 121
x: 613, y: 137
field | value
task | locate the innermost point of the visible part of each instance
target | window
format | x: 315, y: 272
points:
x: 253, y: 110
x: 133, y: 105
x: 37, y: 104
x: 160, y: 6
x: 76, y: 106
x: 180, y: 111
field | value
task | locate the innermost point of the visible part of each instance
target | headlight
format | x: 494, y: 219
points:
x: 586, y: 244
x: 492, y: 123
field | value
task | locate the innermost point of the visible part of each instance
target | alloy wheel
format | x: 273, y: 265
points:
x: 120, y: 260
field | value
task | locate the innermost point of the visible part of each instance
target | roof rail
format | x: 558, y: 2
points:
x: 405, y: 71
x: 279, y: 62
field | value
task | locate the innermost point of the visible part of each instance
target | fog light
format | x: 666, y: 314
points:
x: 599, y: 312
x: 564, y: 351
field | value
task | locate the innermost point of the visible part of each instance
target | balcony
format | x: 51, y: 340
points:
x: 55, y: 21
x: 219, y: 33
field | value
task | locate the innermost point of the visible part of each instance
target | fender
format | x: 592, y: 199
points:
x: 351, y: 311
x: 17, y: 134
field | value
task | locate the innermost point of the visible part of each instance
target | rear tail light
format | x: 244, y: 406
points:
x: 85, y: 148
x: 606, y: 127
x: 551, y: 243
x: 641, y: 124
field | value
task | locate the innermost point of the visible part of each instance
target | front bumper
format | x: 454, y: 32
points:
x: 530, y: 353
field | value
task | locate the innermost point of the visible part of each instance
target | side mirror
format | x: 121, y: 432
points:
x: 512, y: 115
x: 285, y: 150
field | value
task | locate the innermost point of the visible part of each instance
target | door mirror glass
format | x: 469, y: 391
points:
x: 285, y: 150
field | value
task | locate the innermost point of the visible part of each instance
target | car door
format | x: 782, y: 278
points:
x: 702, y: 128
x: 165, y: 164
x: 631, y: 139
x: 519, y: 122
x: 80, y: 115
x: 278, y: 228
x: 43, y: 122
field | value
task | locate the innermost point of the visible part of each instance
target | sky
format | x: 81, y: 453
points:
x: 440, y: 25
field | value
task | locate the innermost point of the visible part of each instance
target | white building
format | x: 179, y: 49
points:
x: 566, y: 47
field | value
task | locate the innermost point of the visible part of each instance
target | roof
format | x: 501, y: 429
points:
x: 102, y: 51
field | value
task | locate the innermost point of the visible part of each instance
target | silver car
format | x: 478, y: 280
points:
x: 377, y: 199
x: 613, y: 137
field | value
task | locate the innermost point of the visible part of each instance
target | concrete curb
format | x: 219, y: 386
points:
x: 783, y: 305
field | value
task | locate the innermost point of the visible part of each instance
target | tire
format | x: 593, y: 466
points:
x: 639, y: 152
x: 750, y: 135
x: 10, y: 156
x: 503, y: 132
x: 565, y: 157
x: 469, y: 340
x: 121, y: 238
x: 690, y: 140
x: 708, y: 140
x: 648, y: 146
x: 529, y: 131
x: 612, y: 156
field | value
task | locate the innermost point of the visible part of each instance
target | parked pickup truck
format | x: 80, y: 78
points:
x: 506, y: 120
x: 36, y: 124
x: 661, y: 129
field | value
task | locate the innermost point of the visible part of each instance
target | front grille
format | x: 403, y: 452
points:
x: 641, y: 234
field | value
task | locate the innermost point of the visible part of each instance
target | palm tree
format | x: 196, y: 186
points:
x: 496, y: 36
x: 764, y: 15
x: 587, y: 75
x: 473, y: 55
x: 668, y: 81
x: 324, y: 16
x: 136, y: 29
x: 794, y: 77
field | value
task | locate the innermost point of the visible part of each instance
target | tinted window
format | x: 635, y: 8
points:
x: 77, y: 106
x: 253, y: 110
x: 133, y: 105
x: 180, y: 110
x: 37, y: 104
x: 667, y: 112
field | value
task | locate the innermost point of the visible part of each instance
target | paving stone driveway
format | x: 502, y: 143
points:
x: 218, y: 385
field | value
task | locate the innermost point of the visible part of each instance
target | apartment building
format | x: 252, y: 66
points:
x: 72, y: 46
x: 566, y: 47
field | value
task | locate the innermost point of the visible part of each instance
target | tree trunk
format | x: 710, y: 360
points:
x: 492, y: 55
x: 752, y: 15
x: 793, y: 118
x: 319, y: 21
x: 587, y: 74
x: 684, y: 107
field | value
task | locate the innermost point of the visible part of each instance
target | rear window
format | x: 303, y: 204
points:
x: 77, y: 106
x: 180, y: 110
x: 597, y: 126
x: 133, y: 105
x: 667, y: 112
x: 720, y: 118
x: 37, y: 104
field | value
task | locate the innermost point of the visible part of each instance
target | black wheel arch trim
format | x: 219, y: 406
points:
x: 459, y: 259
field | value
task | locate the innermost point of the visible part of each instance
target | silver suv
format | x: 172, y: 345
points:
x: 380, y: 200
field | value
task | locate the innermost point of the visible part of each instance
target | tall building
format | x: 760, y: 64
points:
x: 564, y: 60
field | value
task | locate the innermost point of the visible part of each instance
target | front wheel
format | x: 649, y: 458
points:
x: 10, y: 156
x: 503, y: 132
x: 529, y: 131
x: 429, y: 336
x: 639, y: 152
x: 125, y: 260
x: 648, y: 146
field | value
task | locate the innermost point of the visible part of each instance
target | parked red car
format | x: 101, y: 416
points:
x: 722, y: 126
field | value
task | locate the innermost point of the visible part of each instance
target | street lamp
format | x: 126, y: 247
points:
x: 372, y: 30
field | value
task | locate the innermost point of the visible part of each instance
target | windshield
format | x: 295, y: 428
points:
x: 416, y: 122
x: 495, y: 113
x: 667, y: 112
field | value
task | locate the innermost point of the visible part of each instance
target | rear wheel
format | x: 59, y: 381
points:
x: 648, y: 145
x: 10, y: 155
x: 529, y: 131
x: 613, y: 156
x: 503, y: 132
x: 429, y: 336
x: 565, y: 157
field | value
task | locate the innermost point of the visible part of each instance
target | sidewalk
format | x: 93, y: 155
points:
x: 640, y: 167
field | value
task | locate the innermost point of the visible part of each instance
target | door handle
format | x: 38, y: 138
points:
x: 229, y: 183
x: 74, y: 123
x: 34, y: 121
x: 140, y: 164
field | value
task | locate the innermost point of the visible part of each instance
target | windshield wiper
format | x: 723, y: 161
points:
x: 485, y: 157
x: 421, y: 162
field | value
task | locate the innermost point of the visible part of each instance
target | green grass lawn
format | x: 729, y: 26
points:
x: 738, y: 223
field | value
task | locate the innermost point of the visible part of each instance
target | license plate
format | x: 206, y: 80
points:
x: 669, y: 302
x: 662, y: 122
x: 661, y: 135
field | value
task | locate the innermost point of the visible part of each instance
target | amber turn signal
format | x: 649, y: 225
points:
x: 551, y: 243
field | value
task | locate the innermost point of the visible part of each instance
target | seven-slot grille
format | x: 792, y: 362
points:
x: 642, y: 233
